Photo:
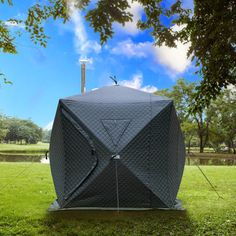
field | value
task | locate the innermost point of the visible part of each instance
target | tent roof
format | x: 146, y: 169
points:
x: 115, y: 114
x: 116, y: 94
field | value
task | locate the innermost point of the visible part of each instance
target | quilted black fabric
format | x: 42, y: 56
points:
x: 116, y: 147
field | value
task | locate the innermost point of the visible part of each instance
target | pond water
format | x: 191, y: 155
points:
x: 22, y: 158
x: 44, y: 160
x: 189, y: 161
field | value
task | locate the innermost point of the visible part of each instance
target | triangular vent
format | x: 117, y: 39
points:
x: 115, y: 129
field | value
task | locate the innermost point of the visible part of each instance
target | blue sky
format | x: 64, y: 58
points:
x: 41, y: 76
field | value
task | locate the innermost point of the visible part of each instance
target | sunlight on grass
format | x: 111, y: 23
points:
x: 23, y: 147
x: 26, y: 197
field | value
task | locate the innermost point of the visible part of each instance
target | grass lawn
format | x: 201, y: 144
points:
x: 24, y: 200
x: 18, y: 149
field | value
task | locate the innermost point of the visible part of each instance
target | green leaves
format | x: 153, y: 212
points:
x: 223, y: 117
x: 105, y: 14
x: 8, y: 1
x: 192, y: 123
x: 211, y: 29
x: 39, y: 13
x: 5, y: 80
x: 6, y: 40
x: 213, y: 32
x: 183, y: 96
x: 18, y: 130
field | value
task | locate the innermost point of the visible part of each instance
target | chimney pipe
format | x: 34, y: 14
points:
x: 83, y: 75
x: 83, y: 67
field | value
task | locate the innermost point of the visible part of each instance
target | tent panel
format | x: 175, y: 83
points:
x: 78, y: 156
x: 116, y: 94
x: 173, y: 155
x: 115, y: 129
x: 100, y: 151
x: 100, y: 193
x: 146, y: 156
x: 181, y: 156
x: 156, y: 202
x: 158, y: 157
x: 92, y: 116
x: 176, y: 155
x: 132, y: 192
x: 57, y: 161
x: 103, y: 192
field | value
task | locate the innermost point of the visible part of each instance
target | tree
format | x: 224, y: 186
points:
x: 13, y: 127
x: 210, y: 27
x: 225, y: 120
x: 32, y: 133
x: 203, y: 129
x: 3, y: 128
x: 183, y: 96
x: 46, y: 136
x: 216, y: 136
x: 189, y: 130
x: 22, y: 130
x: 182, y: 93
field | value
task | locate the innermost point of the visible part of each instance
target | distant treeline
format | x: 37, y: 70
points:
x: 14, y: 130
x: 213, y: 127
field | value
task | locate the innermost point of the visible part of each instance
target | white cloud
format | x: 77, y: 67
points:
x: 90, y: 46
x: 129, y: 49
x: 88, y: 60
x: 232, y: 90
x: 48, y: 126
x: 173, y: 59
x: 83, y: 45
x: 149, y: 89
x: 15, y: 24
x: 177, y: 28
x: 130, y: 28
x: 136, y: 82
x: 93, y: 89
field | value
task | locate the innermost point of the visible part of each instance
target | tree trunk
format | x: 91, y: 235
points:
x: 188, y: 160
x: 201, y: 146
x: 233, y: 147
x: 203, y: 131
x: 189, y: 145
x: 229, y: 147
x: 201, y: 149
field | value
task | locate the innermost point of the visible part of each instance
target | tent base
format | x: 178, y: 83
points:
x: 55, y: 207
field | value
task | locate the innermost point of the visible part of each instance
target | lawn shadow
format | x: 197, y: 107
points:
x: 153, y: 222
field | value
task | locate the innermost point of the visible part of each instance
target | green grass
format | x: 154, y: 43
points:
x: 18, y: 149
x: 24, y: 200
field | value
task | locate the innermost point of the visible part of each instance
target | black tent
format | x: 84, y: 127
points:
x: 116, y: 147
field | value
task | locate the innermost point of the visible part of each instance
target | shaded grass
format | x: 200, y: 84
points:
x: 24, y: 201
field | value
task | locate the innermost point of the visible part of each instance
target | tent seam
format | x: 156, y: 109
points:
x: 171, y: 110
x: 149, y: 148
